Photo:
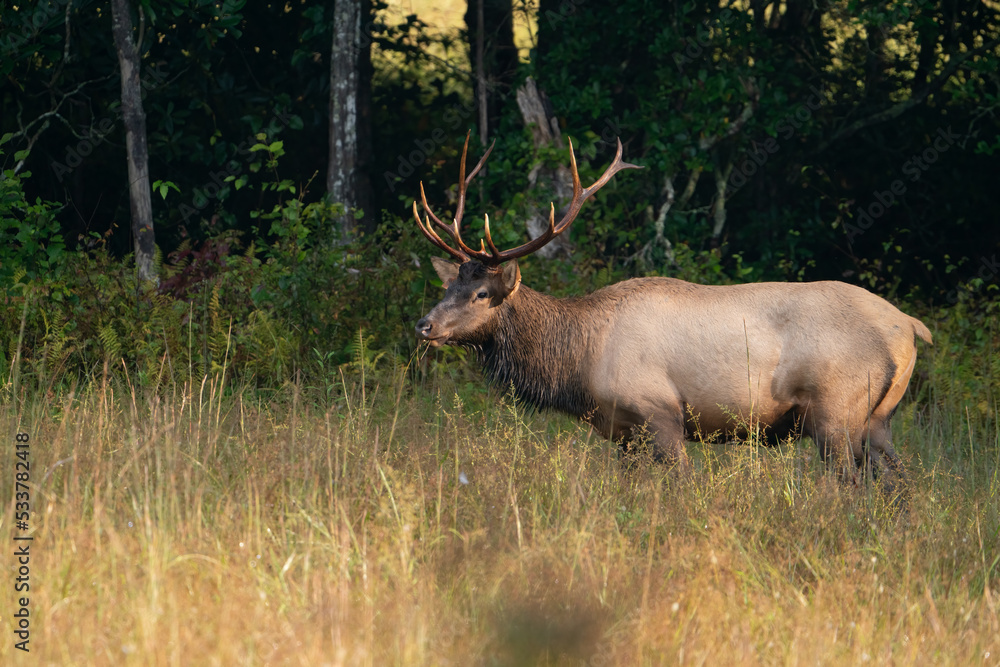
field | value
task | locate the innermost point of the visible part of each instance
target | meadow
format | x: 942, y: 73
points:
x: 385, y: 516
x: 235, y: 456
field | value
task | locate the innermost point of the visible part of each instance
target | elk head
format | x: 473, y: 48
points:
x: 481, y: 281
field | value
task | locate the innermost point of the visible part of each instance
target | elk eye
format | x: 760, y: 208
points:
x: 482, y: 295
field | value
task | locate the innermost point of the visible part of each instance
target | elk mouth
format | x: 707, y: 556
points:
x: 436, y: 342
x: 426, y: 332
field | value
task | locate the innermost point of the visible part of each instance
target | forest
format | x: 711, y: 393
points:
x: 211, y: 275
x: 851, y: 141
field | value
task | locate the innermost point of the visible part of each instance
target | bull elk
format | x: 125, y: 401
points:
x: 824, y: 359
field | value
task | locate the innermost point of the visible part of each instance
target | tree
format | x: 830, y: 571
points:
x: 493, y: 56
x: 775, y: 130
x: 348, y: 180
x: 134, y: 119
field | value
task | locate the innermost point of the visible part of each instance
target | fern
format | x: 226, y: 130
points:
x: 58, y: 344
x: 603, y: 277
x: 11, y: 347
x: 218, y: 335
x: 157, y: 259
x: 363, y: 358
x: 269, y: 347
x: 182, y: 252
x: 110, y: 342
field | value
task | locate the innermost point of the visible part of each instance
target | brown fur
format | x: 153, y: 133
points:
x: 824, y: 359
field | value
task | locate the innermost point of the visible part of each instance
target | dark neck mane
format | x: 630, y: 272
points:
x: 540, y: 345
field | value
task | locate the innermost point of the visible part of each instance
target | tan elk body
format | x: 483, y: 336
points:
x: 824, y: 359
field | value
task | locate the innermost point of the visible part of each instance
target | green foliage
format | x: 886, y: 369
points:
x: 703, y: 91
x: 293, y: 298
x: 675, y: 80
x: 31, y: 240
x: 260, y: 294
x: 257, y: 278
x: 963, y: 374
x: 163, y: 187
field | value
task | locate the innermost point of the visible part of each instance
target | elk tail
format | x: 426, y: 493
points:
x: 922, y: 331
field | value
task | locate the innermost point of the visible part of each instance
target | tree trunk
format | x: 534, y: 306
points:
x: 348, y: 180
x: 493, y: 56
x: 538, y: 116
x: 722, y: 173
x: 134, y: 119
x: 482, y: 87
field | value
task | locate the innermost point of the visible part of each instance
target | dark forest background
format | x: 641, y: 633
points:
x: 850, y: 140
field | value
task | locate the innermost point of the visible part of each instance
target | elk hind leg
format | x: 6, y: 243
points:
x: 885, y: 464
x: 837, y: 450
x: 879, y: 454
x: 881, y: 459
x: 855, y: 451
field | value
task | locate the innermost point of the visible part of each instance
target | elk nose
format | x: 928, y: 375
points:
x: 424, y: 328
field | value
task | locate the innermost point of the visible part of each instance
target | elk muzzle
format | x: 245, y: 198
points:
x: 428, y: 332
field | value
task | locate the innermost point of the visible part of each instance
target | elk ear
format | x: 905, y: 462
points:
x: 511, y: 277
x: 447, y: 271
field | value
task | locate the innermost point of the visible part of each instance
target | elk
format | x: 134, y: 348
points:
x: 824, y: 359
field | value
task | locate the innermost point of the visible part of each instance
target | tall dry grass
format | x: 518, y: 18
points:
x: 367, y: 526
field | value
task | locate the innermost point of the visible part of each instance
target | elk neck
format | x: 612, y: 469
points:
x: 541, y: 345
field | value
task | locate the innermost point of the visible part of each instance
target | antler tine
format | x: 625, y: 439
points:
x: 494, y: 256
x: 423, y: 198
x: 456, y: 233
x: 460, y: 208
x: 489, y: 238
x: 463, y: 252
x: 580, y: 195
x: 616, y: 166
x: 572, y: 167
x: 463, y: 182
x: 481, y: 162
x: 433, y: 237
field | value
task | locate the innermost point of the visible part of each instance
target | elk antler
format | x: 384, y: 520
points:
x: 495, y: 257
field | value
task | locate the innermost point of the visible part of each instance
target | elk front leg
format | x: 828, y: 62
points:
x: 667, y: 430
x: 629, y: 408
x: 664, y: 430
